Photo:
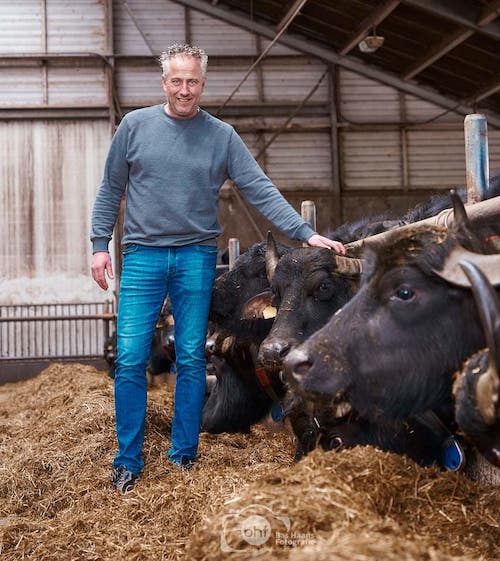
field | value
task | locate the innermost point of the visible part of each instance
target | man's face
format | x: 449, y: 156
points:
x: 183, y: 86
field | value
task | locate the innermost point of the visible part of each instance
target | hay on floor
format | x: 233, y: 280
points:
x: 245, y: 498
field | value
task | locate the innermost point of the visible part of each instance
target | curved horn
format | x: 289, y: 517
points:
x: 453, y: 273
x: 460, y: 218
x: 348, y: 265
x: 488, y: 304
x: 476, y: 213
x: 272, y: 256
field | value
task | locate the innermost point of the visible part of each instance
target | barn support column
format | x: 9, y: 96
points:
x: 403, y: 138
x: 336, y: 198
x: 476, y: 156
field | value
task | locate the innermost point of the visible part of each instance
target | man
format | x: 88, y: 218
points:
x: 171, y: 161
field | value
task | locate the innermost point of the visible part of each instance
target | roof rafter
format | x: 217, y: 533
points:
x: 291, y: 13
x: 488, y: 89
x: 328, y: 55
x: 448, y: 43
x: 461, y: 13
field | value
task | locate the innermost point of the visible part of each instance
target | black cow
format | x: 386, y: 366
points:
x: 308, y: 285
x: 477, y: 385
x: 394, y: 347
x: 162, y: 356
x: 237, y: 399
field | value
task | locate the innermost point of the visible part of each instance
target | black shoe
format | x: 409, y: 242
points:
x: 186, y: 463
x: 123, y: 479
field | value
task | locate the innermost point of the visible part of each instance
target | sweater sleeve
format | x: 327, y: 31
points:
x: 261, y: 193
x: 109, y: 196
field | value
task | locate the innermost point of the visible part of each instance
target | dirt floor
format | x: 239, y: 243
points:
x: 245, y: 498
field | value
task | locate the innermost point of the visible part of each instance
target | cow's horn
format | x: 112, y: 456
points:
x: 272, y: 256
x: 349, y: 265
x: 460, y: 219
x: 487, y: 394
x: 454, y: 274
x: 488, y: 305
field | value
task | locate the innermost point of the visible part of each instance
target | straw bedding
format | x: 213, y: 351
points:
x: 245, y: 498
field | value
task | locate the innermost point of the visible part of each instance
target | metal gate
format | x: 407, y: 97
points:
x: 55, y: 331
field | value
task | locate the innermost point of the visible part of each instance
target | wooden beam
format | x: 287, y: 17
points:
x: 448, y: 43
x: 461, y: 13
x: 375, y: 18
x: 291, y: 14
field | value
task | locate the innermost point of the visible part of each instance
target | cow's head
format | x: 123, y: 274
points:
x: 307, y: 285
x: 393, y: 347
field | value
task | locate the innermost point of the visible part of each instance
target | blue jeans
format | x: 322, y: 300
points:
x: 149, y: 274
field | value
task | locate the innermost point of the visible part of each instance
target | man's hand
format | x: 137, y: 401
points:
x: 101, y: 264
x: 320, y: 241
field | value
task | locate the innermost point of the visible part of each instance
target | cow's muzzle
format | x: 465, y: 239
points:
x: 296, y: 366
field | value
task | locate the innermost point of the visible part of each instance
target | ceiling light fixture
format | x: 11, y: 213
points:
x: 371, y: 43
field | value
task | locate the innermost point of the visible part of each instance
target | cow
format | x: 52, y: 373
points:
x: 307, y: 286
x: 162, y: 355
x: 303, y: 422
x: 391, y: 351
x: 237, y: 399
x: 476, y: 387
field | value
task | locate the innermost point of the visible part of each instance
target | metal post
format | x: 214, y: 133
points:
x: 476, y: 156
x: 234, y: 251
x: 308, y: 212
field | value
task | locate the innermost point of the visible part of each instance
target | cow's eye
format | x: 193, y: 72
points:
x: 405, y: 293
x: 324, y: 290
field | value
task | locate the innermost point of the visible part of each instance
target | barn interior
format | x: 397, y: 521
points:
x: 356, y: 129
x: 357, y: 106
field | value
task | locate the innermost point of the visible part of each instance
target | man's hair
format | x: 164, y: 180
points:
x: 183, y: 50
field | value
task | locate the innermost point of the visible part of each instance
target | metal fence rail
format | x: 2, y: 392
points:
x: 55, y: 331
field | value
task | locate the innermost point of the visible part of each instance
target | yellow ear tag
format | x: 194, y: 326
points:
x: 269, y: 312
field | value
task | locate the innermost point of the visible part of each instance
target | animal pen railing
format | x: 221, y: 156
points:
x: 54, y: 331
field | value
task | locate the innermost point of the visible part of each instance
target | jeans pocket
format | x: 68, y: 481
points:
x: 206, y: 249
x: 129, y: 248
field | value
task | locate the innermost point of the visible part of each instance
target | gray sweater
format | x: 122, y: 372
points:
x: 172, y: 171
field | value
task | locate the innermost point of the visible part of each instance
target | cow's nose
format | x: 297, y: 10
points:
x: 274, y: 351
x: 296, y: 365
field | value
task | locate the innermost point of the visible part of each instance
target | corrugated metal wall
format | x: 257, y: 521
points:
x: 396, y: 149
x: 49, y: 174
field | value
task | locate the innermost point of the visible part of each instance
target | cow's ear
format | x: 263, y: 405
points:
x: 259, y: 307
